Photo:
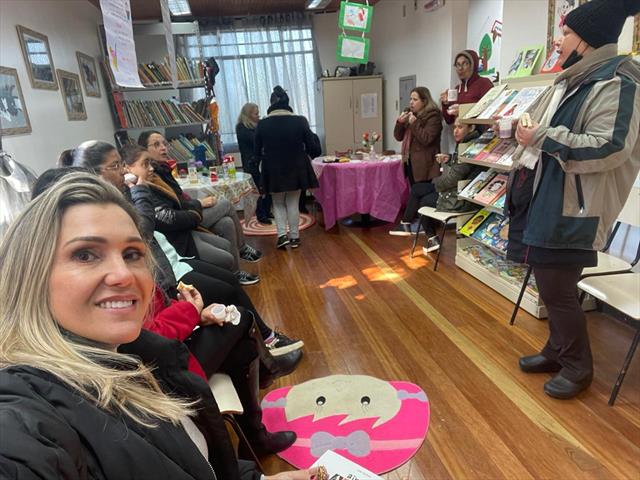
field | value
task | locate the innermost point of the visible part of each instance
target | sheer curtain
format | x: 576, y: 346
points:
x: 255, y: 54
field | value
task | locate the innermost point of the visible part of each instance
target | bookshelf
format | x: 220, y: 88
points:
x: 487, y: 206
x: 159, y: 105
x: 495, y: 166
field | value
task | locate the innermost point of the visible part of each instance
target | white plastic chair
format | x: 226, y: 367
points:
x: 622, y: 292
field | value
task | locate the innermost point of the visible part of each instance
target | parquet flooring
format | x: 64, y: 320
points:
x: 362, y: 306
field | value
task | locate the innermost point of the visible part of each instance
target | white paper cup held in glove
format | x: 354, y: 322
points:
x: 452, y: 95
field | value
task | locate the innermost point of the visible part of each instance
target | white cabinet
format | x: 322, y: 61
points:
x: 351, y: 106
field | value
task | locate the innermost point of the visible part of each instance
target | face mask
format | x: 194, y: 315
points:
x: 573, y: 58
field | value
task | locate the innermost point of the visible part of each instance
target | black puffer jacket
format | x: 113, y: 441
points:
x: 50, y: 432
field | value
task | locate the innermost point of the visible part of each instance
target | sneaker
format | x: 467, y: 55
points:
x: 433, y: 244
x: 246, y: 278
x: 281, y: 344
x: 283, y: 241
x: 294, y: 243
x: 401, y: 230
x: 265, y: 221
x: 249, y: 253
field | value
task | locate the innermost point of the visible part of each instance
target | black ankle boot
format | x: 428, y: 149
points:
x: 262, y: 442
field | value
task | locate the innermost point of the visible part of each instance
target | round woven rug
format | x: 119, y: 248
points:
x: 257, y: 229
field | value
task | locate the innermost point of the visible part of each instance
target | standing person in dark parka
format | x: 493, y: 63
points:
x: 285, y: 145
x: 577, y: 164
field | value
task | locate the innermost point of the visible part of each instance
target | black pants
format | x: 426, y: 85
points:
x: 218, y: 285
x: 568, y: 342
x: 422, y: 194
x: 227, y: 349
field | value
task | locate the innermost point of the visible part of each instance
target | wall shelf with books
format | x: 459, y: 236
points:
x: 160, y: 86
x: 163, y: 127
x: 489, y: 207
x: 502, y: 168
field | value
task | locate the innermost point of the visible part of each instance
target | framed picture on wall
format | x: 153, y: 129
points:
x: 14, y: 119
x: 558, y: 10
x: 72, y: 95
x: 37, y: 56
x: 89, y: 74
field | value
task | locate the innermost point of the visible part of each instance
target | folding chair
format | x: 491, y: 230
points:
x: 444, y: 218
x: 621, y: 292
x: 607, y: 263
x: 229, y: 404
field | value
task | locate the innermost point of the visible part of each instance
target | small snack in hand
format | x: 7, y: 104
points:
x: 526, y: 121
x: 322, y: 473
x: 185, y: 286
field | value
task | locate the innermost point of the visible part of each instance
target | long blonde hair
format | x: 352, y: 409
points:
x: 29, y: 333
x: 244, y: 118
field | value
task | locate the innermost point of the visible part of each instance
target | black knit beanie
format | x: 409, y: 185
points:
x: 600, y: 22
x: 280, y: 96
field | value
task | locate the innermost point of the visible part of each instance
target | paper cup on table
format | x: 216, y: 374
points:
x: 452, y: 95
x: 504, y: 127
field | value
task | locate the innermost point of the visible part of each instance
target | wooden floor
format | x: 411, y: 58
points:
x: 362, y: 306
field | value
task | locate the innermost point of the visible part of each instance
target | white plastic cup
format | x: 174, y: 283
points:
x: 219, y: 311
x: 504, y: 128
x: 452, y: 95
x: 233, y: 315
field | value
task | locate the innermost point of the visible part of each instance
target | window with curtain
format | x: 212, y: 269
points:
x: 255, y: 55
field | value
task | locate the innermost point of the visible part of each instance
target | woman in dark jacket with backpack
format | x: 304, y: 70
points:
x: 285, y: 145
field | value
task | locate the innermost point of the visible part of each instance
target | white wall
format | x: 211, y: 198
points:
x: 70, y: 26
x: 419, y: 43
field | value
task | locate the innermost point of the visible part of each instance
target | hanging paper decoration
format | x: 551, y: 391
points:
x: 353, y: 49
x: 355, y: 16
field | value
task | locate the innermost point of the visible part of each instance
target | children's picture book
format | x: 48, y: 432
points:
x: 340, y: 468
x: 475, y: 185
x: 525, y: 62
x: 551, y: 64
x: 499, y: 203
x: 494, y: 189
x: 523, y: 101
x: 506, y: 147
x: 474, y: 222
x: 484, y: 153
x: 485, y: 101
x: 493, y: 232
x: 498, y: 104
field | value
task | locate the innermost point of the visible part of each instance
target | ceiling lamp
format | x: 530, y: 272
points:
x: 179, y: 7
x: 317, y: 4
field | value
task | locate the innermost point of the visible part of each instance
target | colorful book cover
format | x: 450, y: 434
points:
x: 499, y: 203
x: 496, y: 187
x: 474, y: 222
x: 477, y: 184
x: 529, y: 61
x: 485, y: 101
x: 526, y: 99
x: 506, y: 146
x: 484, y: 153
x: 505, y: 97
x: 494, y: 231
x: 551, y: 64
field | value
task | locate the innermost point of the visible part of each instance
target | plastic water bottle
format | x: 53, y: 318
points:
x: 231, y: 166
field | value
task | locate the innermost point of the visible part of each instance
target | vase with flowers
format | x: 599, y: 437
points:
x: 368, y: 141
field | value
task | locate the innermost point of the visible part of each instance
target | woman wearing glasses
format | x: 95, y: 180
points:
x: 471, y: 88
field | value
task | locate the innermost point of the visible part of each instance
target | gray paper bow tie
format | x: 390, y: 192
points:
x: 356, y: 443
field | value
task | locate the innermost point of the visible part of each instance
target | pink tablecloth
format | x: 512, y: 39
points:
x: 378, y: 188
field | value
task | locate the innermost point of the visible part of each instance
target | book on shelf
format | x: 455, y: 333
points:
x: 493, y: 190
x: 477, y: 184
x: 512, y: 272
x: 493, y: 232
x: 498, y: 151
x: 474, y: 222
x: 152, y: 113
x: 526, y: 99
x: 485, y: 101
x: 552, y: 64
x: 488, y: 148
x: 499, y: 203
x: 159, y: 74
x: 525, y: 61
x: 498, y: 104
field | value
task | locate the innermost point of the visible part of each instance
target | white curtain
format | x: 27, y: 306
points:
x: 255, y: 54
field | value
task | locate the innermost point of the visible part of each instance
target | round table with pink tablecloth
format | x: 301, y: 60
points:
x: 375, y: 187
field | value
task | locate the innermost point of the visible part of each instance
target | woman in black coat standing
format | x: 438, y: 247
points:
x: 285, y: 144
x: 245, y: 133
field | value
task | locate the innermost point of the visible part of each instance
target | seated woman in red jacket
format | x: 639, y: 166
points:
x: 219, y: 346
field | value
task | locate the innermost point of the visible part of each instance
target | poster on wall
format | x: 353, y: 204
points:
x: 484, y: 35
x: 352, y: 49
x: 558, y: 10
x: 116, y: 15
x: 355, y: 16
x: 14, y: 118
